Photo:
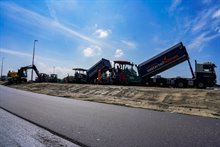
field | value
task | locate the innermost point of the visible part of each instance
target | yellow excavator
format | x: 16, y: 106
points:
x: 21, y: 75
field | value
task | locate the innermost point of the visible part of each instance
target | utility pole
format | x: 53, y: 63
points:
x: 2, y: 67
x: 33, y: 60
x: 53, y: 69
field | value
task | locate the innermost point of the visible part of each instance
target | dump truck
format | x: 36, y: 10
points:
x: 203, y: 76
x: 101, y: 66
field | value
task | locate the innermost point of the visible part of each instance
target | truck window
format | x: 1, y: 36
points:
x: 207, y: 68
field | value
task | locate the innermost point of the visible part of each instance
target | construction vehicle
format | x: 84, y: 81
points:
x: 68, y: 79
x: 4, y: 78
x: 53, y: 78
x: 80, y: 75
x: 123, y: 73
x: 94, y: 73
x: 43, y: 77
x: 21, y: 75
x: 204, y: 73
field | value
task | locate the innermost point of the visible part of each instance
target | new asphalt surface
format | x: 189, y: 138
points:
x: 16, y: 132
x: 100, y: 125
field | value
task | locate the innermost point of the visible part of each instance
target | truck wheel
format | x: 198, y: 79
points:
x: 180, y: 84
x: 161, y: 84
x: 147, y: 83
x: 201, y: 85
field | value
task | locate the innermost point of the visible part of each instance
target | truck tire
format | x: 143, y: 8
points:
x: 180, y: 84
x: 201, y: 85
x: 161, y: 84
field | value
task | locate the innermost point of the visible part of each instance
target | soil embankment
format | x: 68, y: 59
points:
x: 203, y: 102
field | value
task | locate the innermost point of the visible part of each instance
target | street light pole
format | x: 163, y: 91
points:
x: 2, y: 67
x: 33, y: 60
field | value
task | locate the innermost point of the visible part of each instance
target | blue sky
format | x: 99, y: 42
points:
x: 78, y: 33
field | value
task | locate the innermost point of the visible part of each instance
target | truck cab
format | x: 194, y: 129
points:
x: 205, y: 74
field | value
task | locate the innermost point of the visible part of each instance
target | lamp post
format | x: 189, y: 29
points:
x: 2, y: 67
x: 33, y: 59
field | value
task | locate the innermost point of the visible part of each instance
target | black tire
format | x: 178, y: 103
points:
x: 147, y: 84
x: 161, y: 84
x: 201, y: 85
x: 180, y: 84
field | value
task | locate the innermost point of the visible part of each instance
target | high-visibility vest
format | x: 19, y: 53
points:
x: 99, y: 75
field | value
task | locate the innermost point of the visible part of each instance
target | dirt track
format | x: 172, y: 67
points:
x: 187, y: 101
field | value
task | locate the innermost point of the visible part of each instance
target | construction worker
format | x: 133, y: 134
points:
x: 99, y: 76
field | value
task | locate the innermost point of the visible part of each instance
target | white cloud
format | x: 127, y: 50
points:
x: 162, y: 42
x: 199, y: 41
x: 216, y: 14
x: 15, y: 53
x: 49, y: 69
x: 67, y: 6
x: 44, y: 65
x: 203, y: 28
x: 22, y: 54
x: 92, y: 51
x: 61, y: 71
x: 199, y: 26
x: 174, y: 5
x: 51, y: 9
x: 119, y: 53
x: 204, y: 21
x: 33, y: 18
x: 88, y: 52
x: 129, y: 44
x: 102, y: 33
x: 201, y: 21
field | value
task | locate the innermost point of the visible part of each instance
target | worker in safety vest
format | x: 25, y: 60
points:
x: 99, y: 75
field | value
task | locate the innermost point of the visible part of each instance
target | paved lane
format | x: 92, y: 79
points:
x: 25, y: 134
x: 95, y: 124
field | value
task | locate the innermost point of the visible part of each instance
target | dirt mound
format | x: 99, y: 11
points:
x: 203, y: 102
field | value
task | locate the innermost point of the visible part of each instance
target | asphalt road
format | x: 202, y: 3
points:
x: 25, y: 134
x: 100, y: 125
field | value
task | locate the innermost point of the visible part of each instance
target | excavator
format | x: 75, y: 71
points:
x: 21, y: 75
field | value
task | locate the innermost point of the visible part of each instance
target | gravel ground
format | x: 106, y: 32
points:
x: 16, y: 132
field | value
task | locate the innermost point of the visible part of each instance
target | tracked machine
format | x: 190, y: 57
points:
x: 21, y: 75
